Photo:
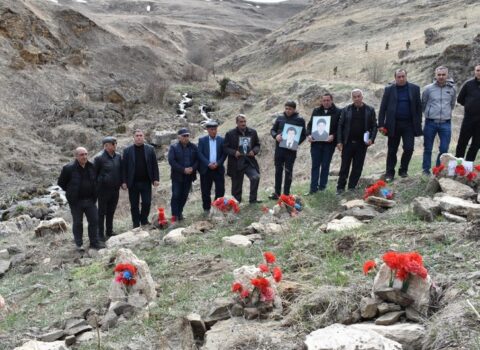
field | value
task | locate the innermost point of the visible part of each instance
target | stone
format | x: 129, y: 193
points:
x: 345, y: 223
x: 128, y: 238
x: 383, y: 308
x: 52, y: 335
x: 255, y: 238
x: 202, y: 226
x: 121, y: 308
x: 162, y: 137
x: 70, y: 340
x: 426, y: 208
x: 237, y: 310
x: 53, y: 226
x: 394, y: 296
x: 366, y: 213
x: 389, y: 318
x: 453, y: 218
x: 220, y: 310
x: 4, y: 266
x: 251, y: 313
x: 40, y: 345
x: 354, y: 203
x: 109, y: 320
x: 433, y: 186
x: 272, y: 228
x: 237, y: 241
x: 175, y: 237
x: 137, y: 300
x: 256, y: 227
x: 380, y: 202
x: 456, y: 189
x: 245, y: 274
x: 368, y: 308
x: 414, y: 315
x: 4, y: 254
x: 78, y: 329
x: 409, y: 335
x: 85, y: 337
x: 145, y: 286
x: 340, y: 337
x: 432, y: 36
x: 113, y: 96
x: 197, y: 324
x: 75, y: 322
x: 289, y: 290
x: 234, y: 88
x: 458, y: 206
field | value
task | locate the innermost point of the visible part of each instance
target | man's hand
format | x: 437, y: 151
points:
x: 309, y: 138
x: 124, y: 186
x: 369, y: 143
x: 237, y: 154
x: 340, y: 147
x: 188, y: 170
x: 156, y: 183
x: 213, y: 166
x: 330, y: 138
x: 251, y: 154
x: 279, y: 138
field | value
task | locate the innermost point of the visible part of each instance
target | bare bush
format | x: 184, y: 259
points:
x: 376, y: 70
x: 194, y: 73
x: 156, y: 89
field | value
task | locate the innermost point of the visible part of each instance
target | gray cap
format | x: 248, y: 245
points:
x: 109, y: 139
x: 211, y: 124
x: 183, y: 131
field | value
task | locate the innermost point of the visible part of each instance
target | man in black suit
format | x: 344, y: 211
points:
x: 210, y: 165
x: 140, y: 172
x: 401, y: 115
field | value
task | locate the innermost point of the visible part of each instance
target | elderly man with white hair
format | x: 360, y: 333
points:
x: 356, y: 132
x: 78, y: 180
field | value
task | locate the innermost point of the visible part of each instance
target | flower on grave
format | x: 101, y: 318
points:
x: 437, y: 170
x: 403, y: 266
x: 225, y: 205
x: 368, y: 266
x: 378, y: 189
x: 383, y: 131
x: 162, y: 220
x: 460, y: 170
x: 126, y: 274
x: 292, y: 203
x: 269, y: 257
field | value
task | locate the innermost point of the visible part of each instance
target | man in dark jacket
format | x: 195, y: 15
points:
x: 108, y: 169
x: 78, y: 180
x: 240, y: 164
x: 400, y: 117
x: 140, y: 172
x: 322, y: 151
x: 183, y: 160
x: 285, y: 157
x: 357, y: 129
x: 469, y: 97
x: 210, y: 165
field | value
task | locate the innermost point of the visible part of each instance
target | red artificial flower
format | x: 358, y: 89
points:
x: 261, y: 283
x: 471, y: 176
x: 392, y: 260
x: 265, y: 209
x: 269, y: 257
x: 267, y: 294
x: 438, y: 169
x: 414, y: 256
x: 460, y: 170
x: 277, y: 274
x: 245, y: 293
x: 369, y: 265
x: 383, y: 131
x: 237, y: 287
x: 477, y: 167
x: 287, y: 199
x: 263, y: 268
x: 126, y: 267
x: 415, y: 268
x: 381, y: 183
x: 402, y: 274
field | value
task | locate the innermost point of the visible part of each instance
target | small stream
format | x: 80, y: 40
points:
x: 187, y: 102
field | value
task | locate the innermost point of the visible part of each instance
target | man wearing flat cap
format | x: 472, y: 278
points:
x: 108, y: 170
x: 210, y: 164
x: 183, y: 160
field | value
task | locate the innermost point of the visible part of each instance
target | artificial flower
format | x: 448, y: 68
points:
x: 269, y: 257
x: 261, y: 283
x: 245, y: 293
x: 237, y: 287
x: 277, y: 274
x: 391, y: 259
x: 263, y: 268
x: 369, y: 265
x: 267, y: 294
x: 438, y: 169
x: 471, y: 176
x: 460, y: 170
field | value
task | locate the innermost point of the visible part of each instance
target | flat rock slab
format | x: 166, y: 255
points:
x: 395, y: 296
x: 132, y: 237
x: 237, y: 241
x: 366, y: 213
x: 389, y: 318
x: 40, y: 345
x: 458, y: 206
x: 383, y: 308
x: 426, y: 208
x: 197, y: 324
x: 456, y: 189
x: 368, y: 308
x: 380, y: 202
x: 4, y: 266
x: 345, y: 223
x: 453, y: 218
x: 52, y: 335
x: 354, y: 203
x: 53, y: 226
x: 410, y: 335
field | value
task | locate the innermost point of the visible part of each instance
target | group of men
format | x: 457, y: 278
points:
x: 351, y: 130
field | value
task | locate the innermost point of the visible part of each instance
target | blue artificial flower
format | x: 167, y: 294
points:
x: 127, y: 275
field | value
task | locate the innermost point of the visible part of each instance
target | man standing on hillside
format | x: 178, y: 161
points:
x: 183, y: 160
x: 322, y: 151
x: 469, y: 97
x: 240, y: 164
x: 285, y: 157
x: 108, y: 169
x: 140, y: 172
x: 400, y: 118
x: 210, y: 165
x: 78, y: 180
x: 357, y: 129
x: 438, y: 101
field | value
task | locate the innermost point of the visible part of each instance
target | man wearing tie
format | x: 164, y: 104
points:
x: 210, y: 167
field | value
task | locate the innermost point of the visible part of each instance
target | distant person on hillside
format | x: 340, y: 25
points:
x: 357, y: 129
x: 240, y: 164
x: 183, y: 160
x: 140, y: 172
x: 469, y: 97
x: 400, y: 116
x: 366, y: 46
x: 108, y: 169
x: 407, y: 44
x: 321, y: 152
x: 387, y: 46
x: 284, y: 158
x: 335, y: 70
x: 78, y: 180
x: 438, y: 101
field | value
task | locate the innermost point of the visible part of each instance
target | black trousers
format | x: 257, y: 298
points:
x: 180, y: 191
x: 470, y: 129
x: 206, y: 182
x: 353, y: 155
x: 87, y: 207
x: 403, y: 131
x: 237, y: 183
x: 107, y: 204
x: 284, y: 159
x: 141, y: 189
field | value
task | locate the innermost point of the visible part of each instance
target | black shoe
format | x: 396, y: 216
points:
x: 111, y: 234
x: 146, y: 223
x: 181, y: 218
x: 340, y: 191
x: 310, y: 193
x: 256, y: 202
x: 274, y: 196
x: 403, y: 174
x: 98, y: 245
x: 80, y: 249
x: 389, y: 178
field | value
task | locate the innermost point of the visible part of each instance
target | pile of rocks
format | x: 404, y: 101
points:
x: 254, y: 234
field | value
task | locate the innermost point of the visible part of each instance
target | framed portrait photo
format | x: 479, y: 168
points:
x: 321, y: 127
x: 244, y: 145
x: 291, y: 136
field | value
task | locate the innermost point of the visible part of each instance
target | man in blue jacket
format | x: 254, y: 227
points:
x: 140, y: 172
x: 183, y: 160
x: 400, y: 116
x: 210, y: 164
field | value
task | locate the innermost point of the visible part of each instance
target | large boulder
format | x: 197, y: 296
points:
x: 128, y: 238
x: 163, y: 137
x: 426, y: 208
x: 432, y: 36
x: 458, y: 206
x: 235, y: 89
x: 455, y: 188
x: 340, y: 337
x: 410, y: 335
x: 48, y: 227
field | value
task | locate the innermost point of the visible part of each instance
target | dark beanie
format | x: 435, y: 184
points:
x: 291, y: 104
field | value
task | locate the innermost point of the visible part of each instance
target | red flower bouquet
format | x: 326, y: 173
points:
x: 126, y: 274
x: 162, y: 220
x: 225, y: 205
x: 292, y: 203
x: 378, y: 189
x: 368, y: 266
x: 383, y: 131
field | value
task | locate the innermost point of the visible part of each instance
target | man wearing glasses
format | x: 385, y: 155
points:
x: 78, y: 180
x: 109, y: 179
x: 183, y: 160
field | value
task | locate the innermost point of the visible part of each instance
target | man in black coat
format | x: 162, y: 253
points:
x: 140, y: 172
x: 400, y: 117
x: 183, y: 160
x: 108, y: 168
x: 357, y: 129
x: 240, y: 164
x: 78, y: 180
x: 285, y: 157
x: 469, y: 97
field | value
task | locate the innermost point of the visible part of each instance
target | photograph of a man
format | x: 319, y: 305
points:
x: 244, y: 145
x: 322, y: 128
x: 290, y: 136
